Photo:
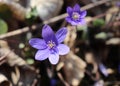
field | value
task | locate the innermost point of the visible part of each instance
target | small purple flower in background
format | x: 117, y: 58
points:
x: 75, y: 15
x: 99, y: 83
x: 50, y: 46
x: 119, y: 67
x: 118, y: 4
x: 53, y: 82
x: 103, y: 69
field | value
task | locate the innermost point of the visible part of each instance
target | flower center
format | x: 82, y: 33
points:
x: 75, y: 15
x: 51, y: 44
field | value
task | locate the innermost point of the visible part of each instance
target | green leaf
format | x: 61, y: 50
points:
x: 79, y: 28
x: 21, y: 45
x: 98, y: 23
x: 30, y: 61
x: 31, y: 16
x: 3, y: 27
x: 32, y: 13
x: 84, y: 33
x: 101, y: 35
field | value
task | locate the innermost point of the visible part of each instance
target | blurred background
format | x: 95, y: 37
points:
x: 94, y: 57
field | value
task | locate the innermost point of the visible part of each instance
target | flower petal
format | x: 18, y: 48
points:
x: 48, y: 34
x: 82, y: 22
x: 37, y: 43
x: 42, y: 54
x: 61, y: 34
x: 63, y: 49
x: 69, y: 20
x: 53, y: 58
x: 69, y: 10
x: 103, y: 69
x: 118, y: 4
x: 76, y: 8
x: 83, y: 14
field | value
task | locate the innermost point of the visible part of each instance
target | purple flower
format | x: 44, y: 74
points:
x: 50, y: 46
x: 118, y: 4
x: 75, y: 16
x: 119, y: 67
x: 99, y: 83
x: 103, y: 69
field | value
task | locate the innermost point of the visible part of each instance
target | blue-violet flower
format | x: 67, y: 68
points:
x: 50, y: 46
x: 118, y: 4
x: 103, y: 69
x: 75, y: 15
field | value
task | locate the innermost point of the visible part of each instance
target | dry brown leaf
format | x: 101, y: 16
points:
x: 15, y: 76
x: 113, y: 41
x: 4, y: 81
x: 12, y: 58
x: 74, y: 68
x: 89, y: 57
x: 109, y: 15
x: 71, y: 36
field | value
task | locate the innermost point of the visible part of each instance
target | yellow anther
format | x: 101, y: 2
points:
x: 51, y: 44
x: 75, y: 15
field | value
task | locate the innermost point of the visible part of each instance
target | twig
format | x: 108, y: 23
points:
x: 25, y: 29
x: 19, y: 31
x: 112, y: 83
x: 34, y: 82
x: 92, y: 77
x: 61, y: 78
x: 101, y: 15
x: 3, y: 61
x: 3, y: 58
x: 57, y: 18
x: 112, y: 19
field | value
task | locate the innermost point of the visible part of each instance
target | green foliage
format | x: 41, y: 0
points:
x: 30, y: 61
x: 84, y: 35
x: 98, y: 23
x: 32, y: 14
x: 21, y: 45
x: 101, y: 35
x: 79, y: 28
x: 3, y: 27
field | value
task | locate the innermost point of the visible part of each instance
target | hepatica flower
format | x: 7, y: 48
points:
x: 118, y: 4
x: 103, y: 69
x: 75, y: 15
x: 50, y: 46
